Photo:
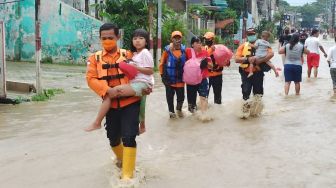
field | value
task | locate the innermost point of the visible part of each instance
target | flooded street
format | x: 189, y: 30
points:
x: 292, y: 145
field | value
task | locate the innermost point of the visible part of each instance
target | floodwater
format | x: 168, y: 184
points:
x: 292, y: 144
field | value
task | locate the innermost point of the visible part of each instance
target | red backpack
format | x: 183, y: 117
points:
x: 192, y: 73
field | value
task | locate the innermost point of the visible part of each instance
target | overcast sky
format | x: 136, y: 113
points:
x: 299, y: 2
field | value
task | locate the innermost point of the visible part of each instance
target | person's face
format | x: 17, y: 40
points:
x: 109, y: 40
x: 317, y: 34
x: 265, y: 36
x: 177, y: 40
x: 139, y: 42
x: 208, y: 42
x: 197, y: 46
x: 251, y: 37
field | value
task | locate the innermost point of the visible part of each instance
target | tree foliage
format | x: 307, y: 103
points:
x: 308, y: 11
x: 228, y: 14
x: 236, y: 5
x: 125, y: 13
x: 172, y: 24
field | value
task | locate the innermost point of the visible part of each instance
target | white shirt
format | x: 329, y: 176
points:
x: 143, y: 59
x: 313, y: 44
x: 332, y: 57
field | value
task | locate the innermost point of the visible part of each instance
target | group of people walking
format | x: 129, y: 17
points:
x: 293, y: 47
x: 123, y: 78
x: 172, y: 69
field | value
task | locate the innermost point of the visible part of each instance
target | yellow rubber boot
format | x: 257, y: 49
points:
x: 128, y: 167
x: 118, y: 151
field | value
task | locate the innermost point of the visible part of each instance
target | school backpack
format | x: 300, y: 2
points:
x: 192, y: 73
x: 222, y: 55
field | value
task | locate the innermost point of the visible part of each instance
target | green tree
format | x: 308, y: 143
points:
x: 125, y: 13
x: 172, y: 24
x: 228, y: 14
x: 309, y: 12
x: 236, y: 5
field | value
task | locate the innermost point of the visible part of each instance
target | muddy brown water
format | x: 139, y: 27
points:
x: 292, y: 145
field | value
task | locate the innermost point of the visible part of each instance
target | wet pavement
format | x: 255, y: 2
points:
x: 291, y: 145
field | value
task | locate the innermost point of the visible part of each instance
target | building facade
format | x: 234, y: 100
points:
x: 66, y: 33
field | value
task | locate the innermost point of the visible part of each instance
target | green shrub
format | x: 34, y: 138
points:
x: 46, y: 94
x: 47, y: 60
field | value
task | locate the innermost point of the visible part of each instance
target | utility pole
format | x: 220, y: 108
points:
x: 245, y: 15
x: 38, y: 47
x: 86, y: 7
x: 150, y: 25
x: 333, y: 18
x: 159, y: 25
x: 270, y: 10
x: 3, y: 90
x: 96, y: 9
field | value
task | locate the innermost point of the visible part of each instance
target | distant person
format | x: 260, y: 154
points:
x: 332, y: 64
x: 293, y: 66
x: 292, y: 31
x: 283, y: 40
x: 303, y: 36
x: 313, y: 58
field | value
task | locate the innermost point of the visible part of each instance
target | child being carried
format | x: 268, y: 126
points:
x: 262, y: 46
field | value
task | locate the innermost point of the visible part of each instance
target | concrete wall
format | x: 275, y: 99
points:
x: 19, y: 28
x: 66, y: 33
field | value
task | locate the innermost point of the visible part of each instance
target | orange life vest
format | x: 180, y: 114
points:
x: 110, y: 72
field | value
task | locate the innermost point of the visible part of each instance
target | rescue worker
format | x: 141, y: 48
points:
x: 122, y: 119
x: 171, y: 70
x: 244, y: 56
x: 215, y: 72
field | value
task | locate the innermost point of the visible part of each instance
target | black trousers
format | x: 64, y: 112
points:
x: 216, y: 83
x: 254, y: 82
x: 123, y: 124
x: 192, y: 94
x: 170, y: 93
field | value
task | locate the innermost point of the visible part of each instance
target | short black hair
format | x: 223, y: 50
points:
x: 109, y: 26
x: 140, y: 33
x: 195, y: 39
x: 314, y: 31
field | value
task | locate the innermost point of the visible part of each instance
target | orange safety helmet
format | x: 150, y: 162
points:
x: 176, y: 33
x: 209, y: 35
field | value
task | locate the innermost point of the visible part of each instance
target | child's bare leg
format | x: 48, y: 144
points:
x: 104, y: 108
x: 142, y: 113
x: 273, y: 68
x: 203, y: 104
x: 124, y: 90
x: 250, y: 70
x: 142, y: 127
